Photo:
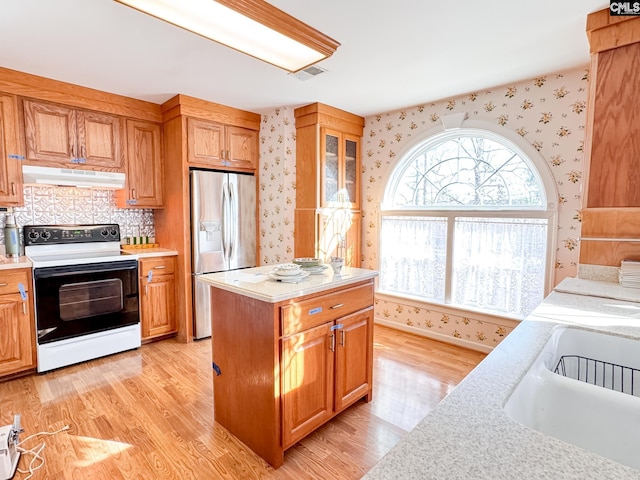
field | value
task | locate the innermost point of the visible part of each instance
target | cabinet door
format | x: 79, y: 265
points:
x: 16, y: 341
x: 350, y: 170
x: 158, y: 310
x: 205, y: 143
x: 354, y: 361
x: 50, y: 133
x: 145, y: 187
x: 242, y: 148
x: 329, y: 167
x: 99, y: 139
x: 10, y: 153
x: 307, y: 382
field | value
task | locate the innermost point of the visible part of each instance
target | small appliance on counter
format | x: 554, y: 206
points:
x: 11, y: 235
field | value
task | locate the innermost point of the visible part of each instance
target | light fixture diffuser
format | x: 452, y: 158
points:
x: 254, y: 27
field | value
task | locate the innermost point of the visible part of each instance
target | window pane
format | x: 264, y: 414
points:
x: 413, y: 256
x: 499, y: 263
x: 467, y: 172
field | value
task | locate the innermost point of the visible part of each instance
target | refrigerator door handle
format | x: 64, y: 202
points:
x: 233, y: 207
x: 225, y: 221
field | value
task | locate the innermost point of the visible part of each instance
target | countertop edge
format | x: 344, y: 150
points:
x: 269, y: 291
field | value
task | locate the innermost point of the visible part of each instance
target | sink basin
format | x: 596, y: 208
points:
x: 584, y: 389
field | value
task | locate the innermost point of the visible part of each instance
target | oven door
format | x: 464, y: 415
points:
x: 75, y: 300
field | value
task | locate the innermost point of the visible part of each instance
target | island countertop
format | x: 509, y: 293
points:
x: 255, y: 282
x: 469, y: 435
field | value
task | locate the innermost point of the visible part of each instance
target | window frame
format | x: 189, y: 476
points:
x: 548, y: 209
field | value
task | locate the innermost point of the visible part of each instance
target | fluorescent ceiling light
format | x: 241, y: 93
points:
x: 254, y: 27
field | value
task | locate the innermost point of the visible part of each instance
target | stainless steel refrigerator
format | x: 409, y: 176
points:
x: 223, y: 232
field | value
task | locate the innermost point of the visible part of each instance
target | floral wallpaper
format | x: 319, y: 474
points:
x: 548, y: 112
x: 48, y: 205
x: 277, y: 183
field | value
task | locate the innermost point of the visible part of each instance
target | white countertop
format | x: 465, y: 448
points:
x: 255, y: 282
x: 7, y: 263
x: 468, y: 435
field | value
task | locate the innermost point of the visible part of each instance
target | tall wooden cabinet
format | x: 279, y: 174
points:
x: 11, y: 153
x: 59, y: 135
x: 198, y: 134
x: 611, y: 199
x: 17, y: 340
x: 328, y: 169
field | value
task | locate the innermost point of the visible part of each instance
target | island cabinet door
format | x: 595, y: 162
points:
x: 307, y: 381
x: 354, y: 358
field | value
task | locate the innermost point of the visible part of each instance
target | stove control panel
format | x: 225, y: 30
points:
x: 53, y: 234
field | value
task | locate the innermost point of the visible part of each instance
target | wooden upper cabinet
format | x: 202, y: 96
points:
x: 205, y: 142
x: 58, y: 135
x: 11, y: 153
x: 242, y: 147
x: 339, y: 169
x: 145, y: 188
x: 215, y: 145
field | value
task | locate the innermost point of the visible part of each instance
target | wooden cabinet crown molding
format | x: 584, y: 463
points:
x: 330, y: 117
x: 605, y: 31
x: 41, y: 88
x: 184, y: 105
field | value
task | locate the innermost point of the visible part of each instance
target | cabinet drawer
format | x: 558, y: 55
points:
x: 300, y: 316
x: 10, y: 280
x: 159, y: 265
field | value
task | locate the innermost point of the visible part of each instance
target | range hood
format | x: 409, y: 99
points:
x: 72, y: 177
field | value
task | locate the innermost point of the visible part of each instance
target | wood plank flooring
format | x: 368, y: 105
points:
x: 148, y: 414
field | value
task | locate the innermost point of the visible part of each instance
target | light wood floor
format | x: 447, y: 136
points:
x: 148, y: 414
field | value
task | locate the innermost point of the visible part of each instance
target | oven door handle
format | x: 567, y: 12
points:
x: 77, y: 272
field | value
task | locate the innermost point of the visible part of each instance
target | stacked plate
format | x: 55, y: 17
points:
x: 630, y: 273
x: 311, y: 265
x: 288, y: 273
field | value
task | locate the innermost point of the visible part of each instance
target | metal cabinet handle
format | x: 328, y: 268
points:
x: 24, y: 307
x: 337, y: 306
x: 159, y: 267
x: 342, y: 339
x: 3, y: 284
x: 332, y: 344
x: 133, y: 193
x: 13, y: 188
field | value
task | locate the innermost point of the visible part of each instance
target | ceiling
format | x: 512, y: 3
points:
x: 392, y: 54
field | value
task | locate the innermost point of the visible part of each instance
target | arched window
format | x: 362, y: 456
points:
x: 466, y: 221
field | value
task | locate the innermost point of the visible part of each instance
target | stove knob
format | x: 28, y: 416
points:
x: 45, y: 235
x: 104, y: 232
x: 33, y: 235
x: 113, y: 232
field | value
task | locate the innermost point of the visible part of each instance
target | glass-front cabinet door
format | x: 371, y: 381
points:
x: 339, y: 186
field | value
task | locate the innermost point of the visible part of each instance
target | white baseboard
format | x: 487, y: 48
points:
x: 434, y: 335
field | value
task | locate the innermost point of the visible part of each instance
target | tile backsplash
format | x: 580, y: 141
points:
x: 49, y: 205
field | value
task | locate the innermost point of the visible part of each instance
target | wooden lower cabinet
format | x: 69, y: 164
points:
x: 286, y: 368
x: 157, y: 297
x: 324, y: 369
x: 17, y: 338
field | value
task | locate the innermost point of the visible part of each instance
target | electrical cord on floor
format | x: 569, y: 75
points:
x: 36, y: 452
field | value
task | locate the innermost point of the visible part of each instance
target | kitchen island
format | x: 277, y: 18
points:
x: 288, y: 357
x: 469, y: 435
